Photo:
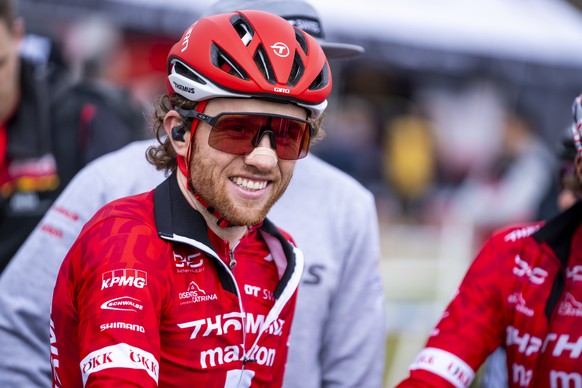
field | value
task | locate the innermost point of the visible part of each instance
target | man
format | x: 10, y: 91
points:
x: 190, y: 284
x: 40, y: 147
x: 565, y: 194
x: 522, y: 292
x: 338, y: 335
x: 28, y: 171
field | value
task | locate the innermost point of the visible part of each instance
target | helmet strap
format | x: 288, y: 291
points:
x: 184, y: 163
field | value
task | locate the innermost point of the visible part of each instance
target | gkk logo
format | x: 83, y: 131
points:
x: 280, y: 49
x: 124, y: 277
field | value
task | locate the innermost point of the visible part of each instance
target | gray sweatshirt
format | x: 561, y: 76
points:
x: 338, y: 335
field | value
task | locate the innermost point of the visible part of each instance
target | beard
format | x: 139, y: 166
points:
x: 212, y: 190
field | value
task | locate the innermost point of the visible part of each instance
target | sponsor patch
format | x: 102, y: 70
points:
x: 124, y: 277
x: 124, y: 303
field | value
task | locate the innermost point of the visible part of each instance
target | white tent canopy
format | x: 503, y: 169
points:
x: 542, y: 31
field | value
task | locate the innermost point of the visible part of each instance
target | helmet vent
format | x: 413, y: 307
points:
x: 225, y: 63
x: 264, y: 65
x: 321, y: 81
x: 296, y: 71
x: 182, y: 69
x: 301, y: 40
x: 243, y: 29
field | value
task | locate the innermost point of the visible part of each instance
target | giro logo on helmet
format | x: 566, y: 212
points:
x: 282, y: 90
x: 280, y: 49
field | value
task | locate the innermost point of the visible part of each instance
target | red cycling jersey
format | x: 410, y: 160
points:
x: 149, y: 296
x: 523, y: 292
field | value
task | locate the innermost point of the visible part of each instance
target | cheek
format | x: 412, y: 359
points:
x: 8, y: 75
x: 287, y: 167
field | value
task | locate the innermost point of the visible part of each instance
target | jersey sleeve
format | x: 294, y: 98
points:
x: 471, y: 327
x: 107, y: 306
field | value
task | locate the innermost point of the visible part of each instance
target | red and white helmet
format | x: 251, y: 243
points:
x: 250, y: 54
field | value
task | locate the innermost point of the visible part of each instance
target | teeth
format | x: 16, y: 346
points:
x: 249, y: 184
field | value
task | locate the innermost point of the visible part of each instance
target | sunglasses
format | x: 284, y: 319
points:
x: 240, y: 133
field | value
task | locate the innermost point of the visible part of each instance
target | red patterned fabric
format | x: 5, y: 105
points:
x: 502, y: 302
x: 132, y: 308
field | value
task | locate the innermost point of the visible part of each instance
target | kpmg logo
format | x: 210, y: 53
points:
x: 124, y: 277
x: 280, y: 49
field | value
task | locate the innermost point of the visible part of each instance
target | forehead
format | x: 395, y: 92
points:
x: 219, y: 105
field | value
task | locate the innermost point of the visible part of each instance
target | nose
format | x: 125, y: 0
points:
x: 263, y: 156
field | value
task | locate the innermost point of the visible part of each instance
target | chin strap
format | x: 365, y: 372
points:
x: 184, y: 162
x: 220, y: 221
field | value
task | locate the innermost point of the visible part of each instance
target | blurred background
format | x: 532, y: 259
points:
x: 452, y: 117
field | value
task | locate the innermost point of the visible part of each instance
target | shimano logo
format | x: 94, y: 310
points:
x: 183, y: 88
x: 282, y: 90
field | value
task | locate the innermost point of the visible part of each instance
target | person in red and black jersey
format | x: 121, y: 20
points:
x: 523, y: 292
x: 190, y: 284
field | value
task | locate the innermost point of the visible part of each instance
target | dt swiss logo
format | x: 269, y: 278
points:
x: 280, y: 49
x: 124, y: 277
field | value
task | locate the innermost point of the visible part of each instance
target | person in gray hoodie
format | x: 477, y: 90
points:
x: 338, y: 336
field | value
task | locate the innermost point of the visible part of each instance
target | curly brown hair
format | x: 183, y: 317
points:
x: 163, y: 156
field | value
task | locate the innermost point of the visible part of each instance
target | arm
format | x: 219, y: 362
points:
x: 94, y: 338
x: 354, y: 339
x: 471, y: 328
x: 27, y: 283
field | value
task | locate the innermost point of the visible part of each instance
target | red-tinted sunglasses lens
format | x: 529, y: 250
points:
x: 239, y: 134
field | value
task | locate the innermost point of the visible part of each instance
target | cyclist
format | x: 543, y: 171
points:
x: 191, y: 284
x: 522, y: 292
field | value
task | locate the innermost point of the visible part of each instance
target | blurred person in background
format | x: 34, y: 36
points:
x: 338, y: 336
x: 493, y: 168
x: 523, y: 292
x: 29, y: 179
x: 40, y: 148
x: 93, y: 114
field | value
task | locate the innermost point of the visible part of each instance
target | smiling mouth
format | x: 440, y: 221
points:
x: 249, y: 184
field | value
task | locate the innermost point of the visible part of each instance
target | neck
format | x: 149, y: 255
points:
x: 231, y: 234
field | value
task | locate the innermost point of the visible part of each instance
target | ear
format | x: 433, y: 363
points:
x: 180, y: 144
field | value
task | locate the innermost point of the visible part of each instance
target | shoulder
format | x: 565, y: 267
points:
x: 515, y: 234
x: 122, y: 230
x: 123, y: 172
x: 133, y: 155
x: 313, y: 168
x: 316, y: 181
x: 504, y: 244
x: 134, y: 209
